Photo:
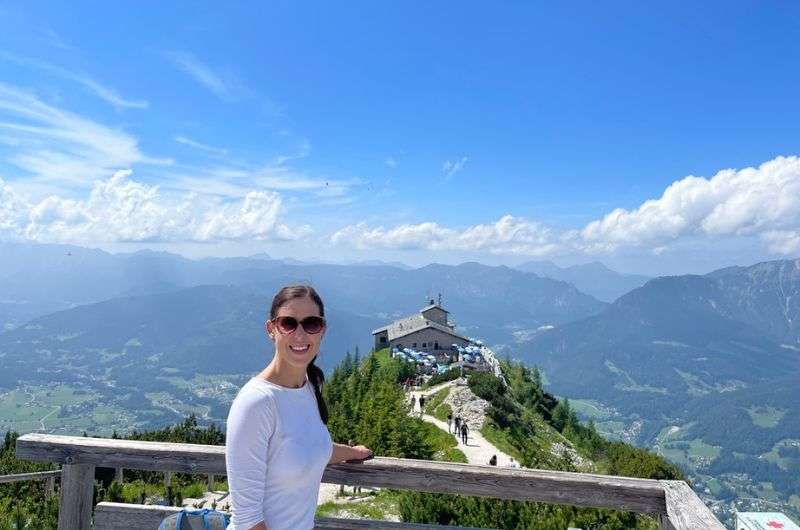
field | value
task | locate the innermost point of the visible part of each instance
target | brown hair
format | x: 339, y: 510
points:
x: 315, y: 375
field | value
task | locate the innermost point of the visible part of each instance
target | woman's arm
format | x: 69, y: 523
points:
x: 249, y: 428
x: 343, y: 452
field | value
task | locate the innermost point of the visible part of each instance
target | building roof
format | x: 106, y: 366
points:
x: 431, y: 306
x: 413, y: 323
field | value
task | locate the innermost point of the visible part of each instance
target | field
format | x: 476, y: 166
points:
x: 60, y: 409
x: 767, y: 417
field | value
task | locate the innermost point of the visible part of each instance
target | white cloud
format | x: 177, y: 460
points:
x: 783, y: 241
x: 225, y: 87
x: 508, y: 235
x: 391, y: 162
x: 762, y: 202
x: 256, y: 217
x: 120, y: 209
x: 451, y: 168
x: 12, y: 211
x: 201, y: 146
x: 59, y: 146
x: 237, y: 182
x: 101, y: 91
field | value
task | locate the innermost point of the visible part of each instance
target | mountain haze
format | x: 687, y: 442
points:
x: 591, y: 278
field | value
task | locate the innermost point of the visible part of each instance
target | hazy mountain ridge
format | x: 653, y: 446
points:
x: 591, y: 278
x: 39, y: 279
x: 720, y: 328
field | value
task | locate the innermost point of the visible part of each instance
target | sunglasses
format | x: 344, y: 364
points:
x: 311, y: 325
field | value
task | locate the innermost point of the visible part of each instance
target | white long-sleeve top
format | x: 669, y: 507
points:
x: 276, y: 451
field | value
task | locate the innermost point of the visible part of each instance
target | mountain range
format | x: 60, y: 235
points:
x: 591, y: 278
x: 702, y: 368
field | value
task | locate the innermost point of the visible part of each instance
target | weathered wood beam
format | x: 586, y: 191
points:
x: 113, y: 515
x: 130, y: 454
x: 685, y: 510
x: 579, y: 489
x: 75, y: 504
x: 24, y: 477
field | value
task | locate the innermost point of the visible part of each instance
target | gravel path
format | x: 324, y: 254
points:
x: 478, y: 449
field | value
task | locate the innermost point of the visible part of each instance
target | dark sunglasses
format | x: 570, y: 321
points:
x: 311, y: 325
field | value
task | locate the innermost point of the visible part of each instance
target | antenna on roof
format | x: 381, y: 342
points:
x: 440, y: 299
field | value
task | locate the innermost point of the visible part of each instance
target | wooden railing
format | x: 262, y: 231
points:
x: 48, y: 476
x: 673, y: 503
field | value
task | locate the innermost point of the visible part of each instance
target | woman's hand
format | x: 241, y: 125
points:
x: 361, y: 452
x: 344, y: 453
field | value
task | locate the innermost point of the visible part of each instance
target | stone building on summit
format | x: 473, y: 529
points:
x: 426, y: 331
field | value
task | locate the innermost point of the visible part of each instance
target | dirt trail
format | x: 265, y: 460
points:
x: 478, y: 449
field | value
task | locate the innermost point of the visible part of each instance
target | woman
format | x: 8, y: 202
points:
x: 277, y: 442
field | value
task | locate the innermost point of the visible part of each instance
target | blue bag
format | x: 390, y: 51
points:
x: 195, y: 519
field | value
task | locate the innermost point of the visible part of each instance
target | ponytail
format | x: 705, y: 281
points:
x: 317, y: 378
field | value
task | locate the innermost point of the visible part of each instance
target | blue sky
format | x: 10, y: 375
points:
x: 462, y: 131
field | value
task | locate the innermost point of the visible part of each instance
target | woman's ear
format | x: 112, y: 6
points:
x: 270, y: 329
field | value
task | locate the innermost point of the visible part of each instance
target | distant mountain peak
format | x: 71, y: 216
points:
x: 593, y: 278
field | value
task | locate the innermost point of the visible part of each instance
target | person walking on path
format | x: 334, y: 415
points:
x: 421, y: 405
x: 464, y: 432
x: 413, y: 402
x: 457, y: 424
x: 449, y: 422
x: 493, y: 460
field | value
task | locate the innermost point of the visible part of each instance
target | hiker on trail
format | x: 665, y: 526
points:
x: 278, y: 443
x: 457, y: 423
x: 464, y: 432
x: 449, y: 422
x: 413, y: 402
x: 493, y: 460
x: 511, y: 462
x: 421, y: 404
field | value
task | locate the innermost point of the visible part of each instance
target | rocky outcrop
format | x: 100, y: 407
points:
x: 467, y: 405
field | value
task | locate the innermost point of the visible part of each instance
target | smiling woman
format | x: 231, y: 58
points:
x: 277, y: 442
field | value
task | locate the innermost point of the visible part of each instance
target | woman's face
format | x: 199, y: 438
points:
x: 297, y: 348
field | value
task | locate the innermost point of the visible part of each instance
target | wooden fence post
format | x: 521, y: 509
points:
x: 664, y: 523
x: 50, y: 487
x: 75, y: 503
x: 210, y: 482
